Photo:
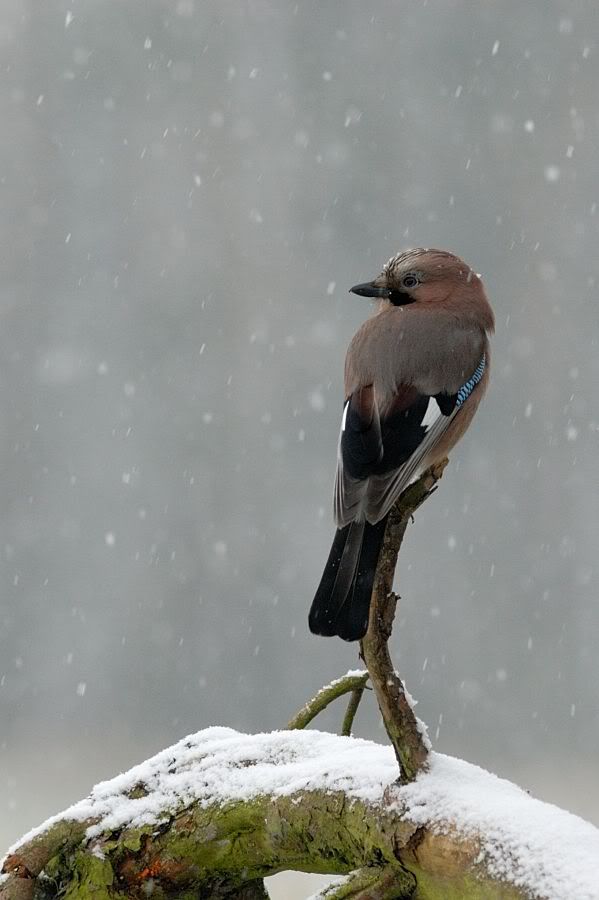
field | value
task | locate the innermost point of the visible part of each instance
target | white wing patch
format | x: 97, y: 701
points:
x: 432, y: 413
x: 344, y: 417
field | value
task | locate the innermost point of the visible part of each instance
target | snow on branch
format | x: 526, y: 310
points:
x: 257, y: 804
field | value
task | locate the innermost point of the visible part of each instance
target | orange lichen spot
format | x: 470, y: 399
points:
x: 165, y: 869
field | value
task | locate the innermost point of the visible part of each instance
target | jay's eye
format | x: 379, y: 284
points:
x: 410, y: 281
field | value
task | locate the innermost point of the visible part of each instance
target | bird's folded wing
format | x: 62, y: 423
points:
x: 406, y: 439
x: 371, y: 493
x: 360, y: 449
x: 383, y: 490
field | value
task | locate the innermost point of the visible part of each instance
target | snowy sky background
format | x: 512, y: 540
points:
x: 188, y: 191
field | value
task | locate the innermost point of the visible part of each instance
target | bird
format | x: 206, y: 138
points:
x: 415, y: 373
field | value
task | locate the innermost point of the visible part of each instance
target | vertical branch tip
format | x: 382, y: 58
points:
x: 405, y: 732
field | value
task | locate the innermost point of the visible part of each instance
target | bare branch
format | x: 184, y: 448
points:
x: 389, y: 883
x: 407, y: 736
x: 350, y: 712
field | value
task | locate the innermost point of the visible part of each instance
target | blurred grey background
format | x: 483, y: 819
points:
x: 188, y: 191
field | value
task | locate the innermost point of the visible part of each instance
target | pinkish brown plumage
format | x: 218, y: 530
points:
x: 415, y: 373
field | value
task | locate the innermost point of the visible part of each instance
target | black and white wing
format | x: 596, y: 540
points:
x: 378, y: 457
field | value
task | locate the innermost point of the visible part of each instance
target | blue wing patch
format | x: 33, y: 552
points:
x: 467, y: 388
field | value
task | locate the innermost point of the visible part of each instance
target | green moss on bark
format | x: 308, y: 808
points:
x: 90, y: 878
x: 464, y: 886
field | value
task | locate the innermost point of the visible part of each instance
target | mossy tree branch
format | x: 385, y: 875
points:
x: 223, y: 851
x: 353, y: 681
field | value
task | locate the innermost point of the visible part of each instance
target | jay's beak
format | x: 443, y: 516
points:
x: 370, y: 289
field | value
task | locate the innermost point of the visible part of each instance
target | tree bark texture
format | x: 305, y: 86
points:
x: 224, y: 851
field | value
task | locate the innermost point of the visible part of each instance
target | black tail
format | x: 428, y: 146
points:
x: 342, y: 602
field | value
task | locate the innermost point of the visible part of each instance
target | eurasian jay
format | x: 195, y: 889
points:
x: 415, y: 373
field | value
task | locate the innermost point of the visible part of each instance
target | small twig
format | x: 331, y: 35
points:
x: 406, y: 735
x: 353, y: 681
x: 372, y: 883
x: 350, y: 712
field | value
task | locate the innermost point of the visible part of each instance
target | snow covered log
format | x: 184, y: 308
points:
x: 219, y: 811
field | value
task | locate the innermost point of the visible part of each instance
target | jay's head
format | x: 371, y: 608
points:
x: 425, y: 277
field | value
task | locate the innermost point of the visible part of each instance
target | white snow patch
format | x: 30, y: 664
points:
x: 221, y: 764
x: 533, y: 845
